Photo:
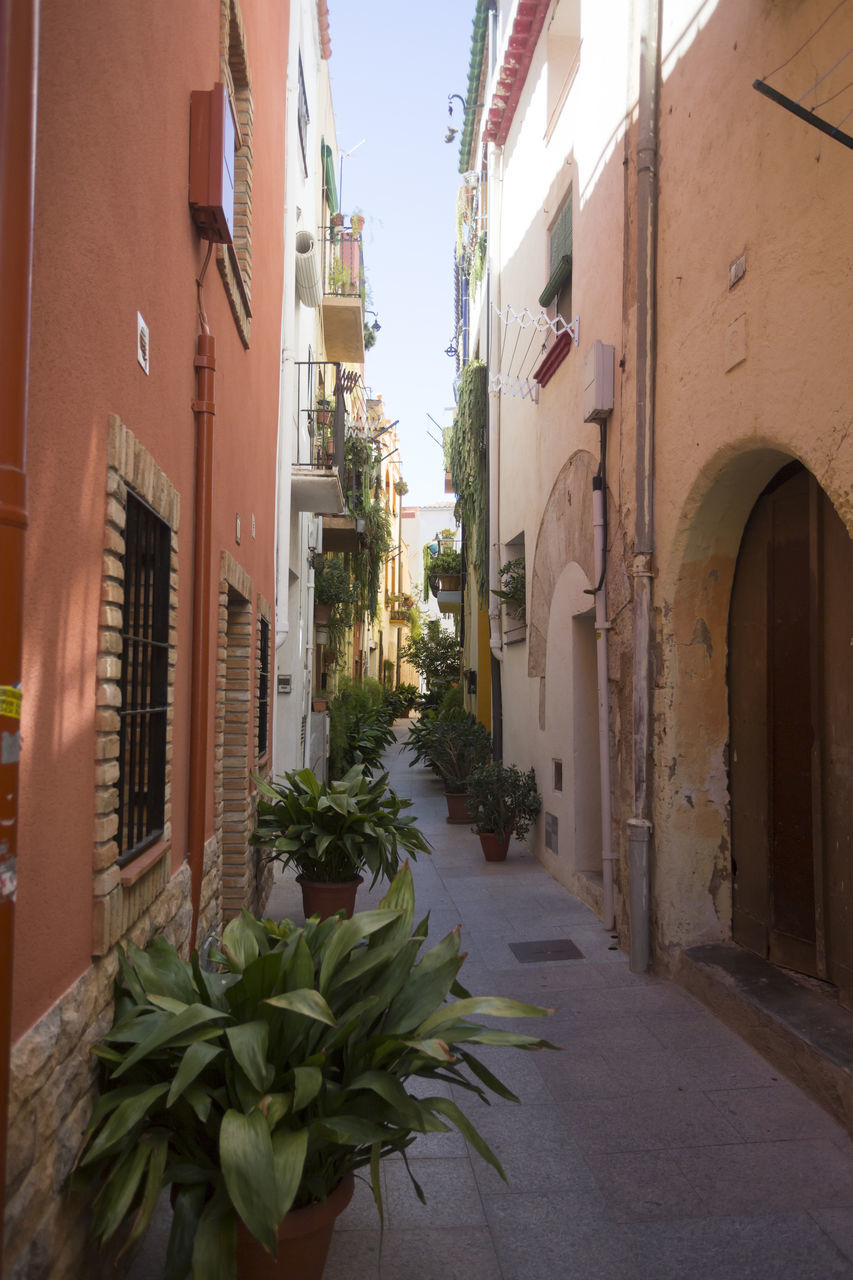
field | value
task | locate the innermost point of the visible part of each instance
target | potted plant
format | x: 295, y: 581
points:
x: 514, y: 589
x: 457, y: 744
x: 357, y: 223
x: 504, y: 802
x: 258, y: 1090
x: 332, y: 586
x: 445, y: 571
x: 332, y: 832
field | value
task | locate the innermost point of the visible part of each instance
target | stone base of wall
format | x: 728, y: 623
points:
x: 53, y: 1083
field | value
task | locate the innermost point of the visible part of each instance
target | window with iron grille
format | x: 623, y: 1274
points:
x: 144, y: 680
x: 263, y: 684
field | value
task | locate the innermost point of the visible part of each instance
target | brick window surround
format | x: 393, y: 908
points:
x: 235, y: 260
x: 122, y: 894
x: 246, y: 880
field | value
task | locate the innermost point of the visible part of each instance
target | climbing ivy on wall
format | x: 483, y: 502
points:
x: 467, y: 456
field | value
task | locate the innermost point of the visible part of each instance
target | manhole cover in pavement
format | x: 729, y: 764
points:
x: 549, y: 949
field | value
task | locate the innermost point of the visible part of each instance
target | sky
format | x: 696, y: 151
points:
x: 392, y: 68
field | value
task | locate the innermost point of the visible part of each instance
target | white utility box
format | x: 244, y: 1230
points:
x: 598, y: 367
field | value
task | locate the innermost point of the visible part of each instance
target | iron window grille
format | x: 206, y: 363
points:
x: 263, y: 685
x: 144, y: 681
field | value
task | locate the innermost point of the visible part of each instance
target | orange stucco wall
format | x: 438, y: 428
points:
x: 113, y: 236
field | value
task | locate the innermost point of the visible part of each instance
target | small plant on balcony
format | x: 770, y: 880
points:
x: 514, y: 592
x: 400, y: 488
x: 332, y: 581
x: 340, y: 277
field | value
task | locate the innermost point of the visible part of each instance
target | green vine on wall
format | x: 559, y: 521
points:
x: 467, y: 455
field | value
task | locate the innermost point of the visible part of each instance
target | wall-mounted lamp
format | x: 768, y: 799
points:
x: 376, y: 326
x: 451, y: 132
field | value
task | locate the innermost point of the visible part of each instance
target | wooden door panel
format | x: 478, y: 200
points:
x: 836, y: 694
x: 748, y: 776
x: 792, y: 900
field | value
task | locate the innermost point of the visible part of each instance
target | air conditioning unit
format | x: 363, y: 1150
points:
x: 213, y: 140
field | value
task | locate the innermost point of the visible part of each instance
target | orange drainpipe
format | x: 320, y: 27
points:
x: 204, y: 409
x: 18, y: 85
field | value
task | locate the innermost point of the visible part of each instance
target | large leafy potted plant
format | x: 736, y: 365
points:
x: 504, y: 802
x: 260, y: 1089
x: 332, y: 586
x: 332, y: 832
x: 454, y: 744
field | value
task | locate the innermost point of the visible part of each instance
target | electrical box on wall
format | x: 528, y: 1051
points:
x: 213, y: 138
x: 598, y: 381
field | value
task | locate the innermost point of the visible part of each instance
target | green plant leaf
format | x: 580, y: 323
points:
x: 457, y: 1117
x: 289, y: 1149
x: 189, y: 1202
x: 249, y: 1043
x: 193, y: 1062
x: 115, y: 1199
x: 305, y: 1001
x: 246, y: 1158
x: 432, y: 1049
x: 487, y: 1077
x: 123, y: 1120
x: 489, y: 1006
x: 347, y: 935
x: 159, y: 1151
x: 352, y: 1131
x: 240, y: 941
x: 194, y: 1015
x: 214, y: 1255
x: 307, y: 1083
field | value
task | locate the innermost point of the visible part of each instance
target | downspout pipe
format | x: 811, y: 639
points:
x: 19, y: 22
x: 493, y: 462
x: 602, y: 626
x: 640, y: 822
x: 204, y: 408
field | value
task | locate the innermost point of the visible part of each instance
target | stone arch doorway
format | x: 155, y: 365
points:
x: 790, y: 675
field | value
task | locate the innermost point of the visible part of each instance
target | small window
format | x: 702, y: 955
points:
x: 263, y: 704
x: 303, y: 119
x: 144, y: 680
x: 558, y: 775
x: 559, y: 286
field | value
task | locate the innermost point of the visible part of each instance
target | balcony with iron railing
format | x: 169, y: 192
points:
x: 321, y: 413
x: 343, y: 290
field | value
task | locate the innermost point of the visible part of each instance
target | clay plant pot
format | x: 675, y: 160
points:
x: 322, y: 614
x: 322, y: 898
x: 457, y: 806
x: 494, y: 847
x: 303, y: 1241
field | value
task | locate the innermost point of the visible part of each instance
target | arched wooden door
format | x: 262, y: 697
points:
x: 791, y: 710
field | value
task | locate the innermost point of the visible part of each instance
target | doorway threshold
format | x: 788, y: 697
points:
x: 805, y: 1035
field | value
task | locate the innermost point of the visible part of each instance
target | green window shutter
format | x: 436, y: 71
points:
x: 328, y: 165
x: 560, y: 258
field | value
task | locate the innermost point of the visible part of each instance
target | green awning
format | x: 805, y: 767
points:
x: 558, y: 277
x: 328, y: 165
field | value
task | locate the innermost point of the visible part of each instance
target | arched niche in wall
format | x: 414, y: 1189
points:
x: 565, y: 535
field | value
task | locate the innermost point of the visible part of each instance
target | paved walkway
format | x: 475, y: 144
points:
x: 655, y: 1146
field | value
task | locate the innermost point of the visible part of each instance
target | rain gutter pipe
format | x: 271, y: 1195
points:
x: 19, y: 24
x: 204, y: 408
x: 602, y: 626
x: 493, y: 464
x: 640, y: 824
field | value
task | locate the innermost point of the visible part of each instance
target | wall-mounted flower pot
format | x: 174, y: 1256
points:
x: 322, y: 614
x: 319, y: 704
x: 304, y: 1237
x: 494, y: 847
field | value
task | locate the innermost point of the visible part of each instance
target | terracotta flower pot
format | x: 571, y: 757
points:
x: 457, y: 806
x: 322, y: 614
x: 323, y: 898
x: 494, y: 847
x: 303, y: 1241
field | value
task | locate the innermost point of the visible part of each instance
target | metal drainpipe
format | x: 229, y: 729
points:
x: 204, y: 408
x: 602, y: 626
x: 19, y: 21
x: 493, y: 468
x: 640, y: 824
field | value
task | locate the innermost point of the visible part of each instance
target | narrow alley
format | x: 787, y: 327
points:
x: 655, y: 1146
